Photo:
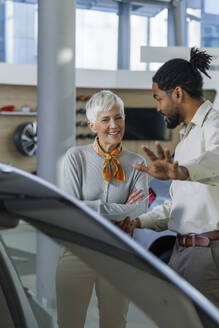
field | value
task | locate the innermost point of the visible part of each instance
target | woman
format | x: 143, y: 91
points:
x: 101, y: 175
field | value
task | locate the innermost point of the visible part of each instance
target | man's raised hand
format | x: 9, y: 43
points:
x: 162, y: 166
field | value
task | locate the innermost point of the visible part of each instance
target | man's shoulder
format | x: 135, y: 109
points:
x: 214, y: 112
x: 213, y: 117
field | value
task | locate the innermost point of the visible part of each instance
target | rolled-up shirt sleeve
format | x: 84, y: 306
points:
x: 158, y: 218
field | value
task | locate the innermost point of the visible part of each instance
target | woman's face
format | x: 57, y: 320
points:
x: 109, y: 127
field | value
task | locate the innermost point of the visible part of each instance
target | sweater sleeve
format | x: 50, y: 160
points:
x: 117, y: 212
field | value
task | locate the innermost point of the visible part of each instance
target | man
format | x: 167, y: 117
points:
x: 193, y: 212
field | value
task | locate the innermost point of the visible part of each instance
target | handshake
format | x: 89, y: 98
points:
x: 128, y: 225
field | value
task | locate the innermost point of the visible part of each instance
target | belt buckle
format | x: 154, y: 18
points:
x: 193, y: 238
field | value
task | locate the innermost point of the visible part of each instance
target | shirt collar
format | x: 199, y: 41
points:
x: 201, y: 113
x: 198, y: 118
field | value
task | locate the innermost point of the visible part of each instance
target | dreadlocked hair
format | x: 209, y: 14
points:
x: 200, y: 60
x: 187, y: 74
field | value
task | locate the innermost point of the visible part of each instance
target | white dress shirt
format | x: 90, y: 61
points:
x: 194, y: 205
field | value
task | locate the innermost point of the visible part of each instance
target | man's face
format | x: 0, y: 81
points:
x: 167, y: 106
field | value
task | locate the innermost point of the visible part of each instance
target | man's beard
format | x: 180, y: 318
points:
x: 173, y: 121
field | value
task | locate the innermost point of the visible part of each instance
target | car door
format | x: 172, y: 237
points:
x: 15, y: 310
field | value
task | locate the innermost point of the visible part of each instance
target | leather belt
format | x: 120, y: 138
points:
x: 199, y: 240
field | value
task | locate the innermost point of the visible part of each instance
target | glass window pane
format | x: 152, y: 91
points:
x: 158, y: 33
x: 96, y: 39
x: 210, y: 35
x: 158, y: 29
x: 194, y: 27
x: 138, y: 39
x: 20, y: 34
x: 211, y: 7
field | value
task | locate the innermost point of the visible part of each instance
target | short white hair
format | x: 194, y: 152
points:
x: 103, y: 100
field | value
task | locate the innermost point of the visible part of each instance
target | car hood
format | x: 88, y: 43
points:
x: 161, y: 293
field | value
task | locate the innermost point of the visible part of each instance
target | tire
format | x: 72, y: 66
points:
x: 25, y: 138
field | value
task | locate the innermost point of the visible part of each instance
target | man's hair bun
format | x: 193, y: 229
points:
x: 200, y: 60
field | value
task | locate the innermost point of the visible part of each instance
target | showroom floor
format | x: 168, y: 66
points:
x: 23, y: 238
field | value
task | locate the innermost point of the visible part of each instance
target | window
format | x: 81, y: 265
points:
x: 210, y: 35
x: 96, y: 39
x: 158, y: 33
x: 194, y: 27
x: 151, y: 31
x: 20, y: 39
x: 139, y: 33
x: 211, y: 7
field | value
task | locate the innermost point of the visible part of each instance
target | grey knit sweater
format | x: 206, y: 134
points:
x: 83, y: 179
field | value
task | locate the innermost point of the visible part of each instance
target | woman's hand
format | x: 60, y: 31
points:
x: 135, y: 196
x: 162, y: 166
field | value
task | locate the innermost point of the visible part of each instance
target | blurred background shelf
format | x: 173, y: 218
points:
x: 18, y: 113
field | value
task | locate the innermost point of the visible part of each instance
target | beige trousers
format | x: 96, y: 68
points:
x: 75, y: 281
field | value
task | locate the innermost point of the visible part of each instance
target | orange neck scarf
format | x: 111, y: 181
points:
x: 116, y: 170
